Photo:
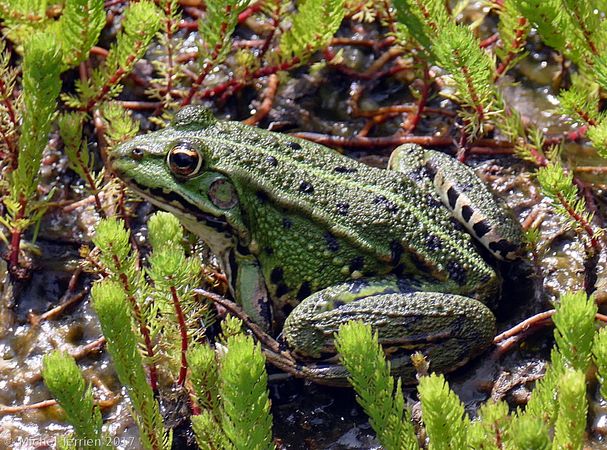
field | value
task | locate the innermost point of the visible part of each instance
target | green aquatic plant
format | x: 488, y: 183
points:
x: 378, y: 393
x: 139, y: 25
x: 111, y: 305
x: 36, y: 106
x: 143, y: 309
x: 65, y: 382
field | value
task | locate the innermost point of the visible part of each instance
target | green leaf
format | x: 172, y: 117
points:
x: 246, y: 418
x: 443, y: 414
x: 312, y: 28
x: 64, y: 380
x: 571, y: 421
x: 78, y: 29
x: 377, y: 392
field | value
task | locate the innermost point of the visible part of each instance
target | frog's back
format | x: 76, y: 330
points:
x: 381, y: 213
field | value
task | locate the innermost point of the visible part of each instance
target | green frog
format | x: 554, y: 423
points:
x: 310, y: 239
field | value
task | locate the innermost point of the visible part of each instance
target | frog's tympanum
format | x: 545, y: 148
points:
x: 310, y: 239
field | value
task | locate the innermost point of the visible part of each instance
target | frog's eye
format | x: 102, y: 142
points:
x: 184, y: 160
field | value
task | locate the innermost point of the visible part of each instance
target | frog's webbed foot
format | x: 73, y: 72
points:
x: 448, y: 329
x: 471, y: 202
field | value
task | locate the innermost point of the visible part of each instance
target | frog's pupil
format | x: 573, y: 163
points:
x: 183, y: 159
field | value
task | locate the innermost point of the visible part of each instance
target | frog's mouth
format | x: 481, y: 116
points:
x: 172, y: 202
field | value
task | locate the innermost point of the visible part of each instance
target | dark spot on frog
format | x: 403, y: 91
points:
x: 432, y: 202
x: 332, y: 243
x: 419, y: 174
x: 243, y: 250
x: 294, y: 145
x: 419, y: 263
x: 357, y: 263
x: 338, y: 303
x: 286, y: 223
x: 282, y: 289
x: 433, y: 242
x: 405, y: 285
x: 389, y: 205
x: 481, y: 228
x: 265, y: 310
x: 456, y: 224
x: 268, y: 250
x: 304, y: 291
x: 396, y: 251
x: 276, y: 275
x: 503, y: 247
x: 342, y: 208
x: 306, y: 187
x: 357, y: 285
x: 262, y: 196
x: 467, y: 212
x: 272, y: 161
x: 343, y: 169
x: 398, y: 270
x: 456, y: 272
x: 452, y: 196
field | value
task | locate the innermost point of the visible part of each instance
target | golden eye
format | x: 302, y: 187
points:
x: 184, y: 160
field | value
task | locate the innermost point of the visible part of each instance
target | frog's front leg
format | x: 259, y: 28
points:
x: 471, y: 202
x: 448, y: 329
x: 251, y: 292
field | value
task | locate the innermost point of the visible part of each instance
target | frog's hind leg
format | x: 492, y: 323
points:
x: 471, y: 202
x: 448, y: 329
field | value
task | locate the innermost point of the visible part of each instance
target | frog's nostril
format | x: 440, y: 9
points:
x: 137, y: 153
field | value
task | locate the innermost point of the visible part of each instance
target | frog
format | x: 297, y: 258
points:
x: 310, y: 239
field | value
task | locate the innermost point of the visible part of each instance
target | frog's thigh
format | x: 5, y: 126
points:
x: 448, y: 329
x: 251, y: 291
x: 470, y: 200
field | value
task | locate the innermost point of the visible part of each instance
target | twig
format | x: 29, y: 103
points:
x: 266, y: 104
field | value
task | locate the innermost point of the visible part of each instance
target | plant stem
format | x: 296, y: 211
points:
x: 183, y: 331
x: 13, y: 259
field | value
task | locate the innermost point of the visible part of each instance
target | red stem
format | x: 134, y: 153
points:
x: 594, y: 242
x: 516, y: 45
x: 13, y: 259
x: 235, y: 84
x: 473, y: 94
x: 114, y: 79
x: 490, y: 40
x: 143, y: 328
x: 183, y: 331
x: 207, y: 65
x: 421, y: 103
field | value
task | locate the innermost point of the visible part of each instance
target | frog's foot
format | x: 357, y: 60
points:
x: 447, y: 329
x: 471, y: 202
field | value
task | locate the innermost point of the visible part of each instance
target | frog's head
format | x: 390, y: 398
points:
x: 172, y: 169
